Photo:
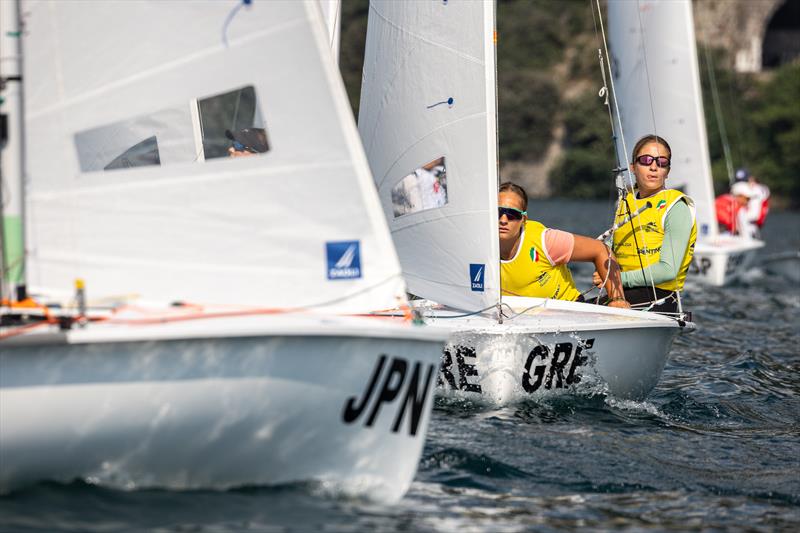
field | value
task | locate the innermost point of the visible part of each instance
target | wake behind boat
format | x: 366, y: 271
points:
x: 429, y: 125
x: 212, y: 341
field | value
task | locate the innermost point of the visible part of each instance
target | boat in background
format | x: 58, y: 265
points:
x: 428, y: 122
x: 216, y: 336
x: 657, y: 83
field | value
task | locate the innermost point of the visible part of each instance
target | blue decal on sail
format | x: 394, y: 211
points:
x: 476, y: 276
x: 344, y: 259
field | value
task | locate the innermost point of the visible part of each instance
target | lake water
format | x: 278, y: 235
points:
x: 715, y: 446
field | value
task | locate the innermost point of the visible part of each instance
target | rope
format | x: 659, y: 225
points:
x: 229, y: 18
x: 199, y: 315
x: 449, y: 103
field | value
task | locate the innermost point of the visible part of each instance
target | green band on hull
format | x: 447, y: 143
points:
x: 13, y: 250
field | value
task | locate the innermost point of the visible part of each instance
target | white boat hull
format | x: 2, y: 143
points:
x: 724, y: 260
x: 555, y: 348
x: 338, y: 403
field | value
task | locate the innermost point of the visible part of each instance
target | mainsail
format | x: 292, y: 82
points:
x: 654, y: 63
x: 131, y: 183
x: 429, y: 130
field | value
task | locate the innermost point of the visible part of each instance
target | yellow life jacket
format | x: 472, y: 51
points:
x: 647, y: 230
x: 530, y: 273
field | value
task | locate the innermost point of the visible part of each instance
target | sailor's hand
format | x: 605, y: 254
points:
x: 596, y: 279
x: 619, y: 303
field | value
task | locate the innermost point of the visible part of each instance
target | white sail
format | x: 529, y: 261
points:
x: 332, y: 15
x: 130, y: 185
x: 430, y: 135
x: 657, y: 83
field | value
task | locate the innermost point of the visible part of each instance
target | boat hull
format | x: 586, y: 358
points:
x: 723, y: 261
x: 561, y: 348
x: 345, y: 410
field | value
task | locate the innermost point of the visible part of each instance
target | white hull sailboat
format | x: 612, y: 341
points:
x: 554, y: 347
x: 215, y: 338
x: 428, y: 122
x: 657, y: 81
x: 249, y: 401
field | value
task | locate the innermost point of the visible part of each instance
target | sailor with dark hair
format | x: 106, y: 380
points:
x: 533, y: 258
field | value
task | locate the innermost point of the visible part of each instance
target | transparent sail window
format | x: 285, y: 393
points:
x: 228, y: 124
x: 231, y: 124
x: 424, y: 188
x: 139, y: 155
x: 159, y: 138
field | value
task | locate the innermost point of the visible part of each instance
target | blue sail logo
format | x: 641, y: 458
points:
x: 344, y: 259
x: 476, y: 272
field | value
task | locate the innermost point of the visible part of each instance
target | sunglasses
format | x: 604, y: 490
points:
x: 239, y: 147
x: 510, y: 213
x: 647, y: 160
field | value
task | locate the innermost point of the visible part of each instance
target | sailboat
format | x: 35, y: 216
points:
x: 428, y: 122
x: 208, y: 188
x: 657, y: 81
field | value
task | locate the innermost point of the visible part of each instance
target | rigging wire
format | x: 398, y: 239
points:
x: 622, y: 196
x: 723, y: 133
x: 721, y: 128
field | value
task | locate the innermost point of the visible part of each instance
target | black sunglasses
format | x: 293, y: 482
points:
x: 510, y: 213
x: 647, y: 160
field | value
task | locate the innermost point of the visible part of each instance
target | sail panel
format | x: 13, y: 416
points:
x: 132, y: 183
x: 428, y: 95
x: 656, y: 77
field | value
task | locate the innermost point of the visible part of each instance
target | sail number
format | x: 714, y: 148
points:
x: 545, y: 367
x: 400, y: 380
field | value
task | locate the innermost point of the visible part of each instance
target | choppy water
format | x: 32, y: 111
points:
x: 715, y: 446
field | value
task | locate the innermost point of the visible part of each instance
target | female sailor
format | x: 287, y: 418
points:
x: 654, y: 248
x: 533, y: 258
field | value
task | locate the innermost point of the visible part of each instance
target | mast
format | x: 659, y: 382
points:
x: 12, y: 167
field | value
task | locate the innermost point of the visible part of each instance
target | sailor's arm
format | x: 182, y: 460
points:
x: 592, y: 250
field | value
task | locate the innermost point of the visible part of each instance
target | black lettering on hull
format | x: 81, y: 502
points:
x: 699, y: 265
x: 396, y: 377
x: 555, y: 366
x: 465, y: 369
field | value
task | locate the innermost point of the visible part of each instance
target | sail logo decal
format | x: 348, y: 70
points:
x: 344, y: 259
x: 476, y: 272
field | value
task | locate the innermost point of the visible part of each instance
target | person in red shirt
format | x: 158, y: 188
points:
x: 729, y: 207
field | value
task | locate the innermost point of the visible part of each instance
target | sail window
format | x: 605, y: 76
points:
x: 159, y: 138
x: 424, y: 188
x: 139, y: 155
x: 231, y: 124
